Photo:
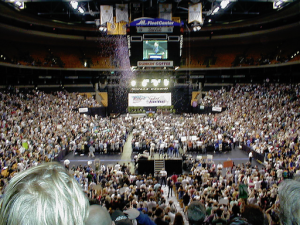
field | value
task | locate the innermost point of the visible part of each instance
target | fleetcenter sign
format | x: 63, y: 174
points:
x: 155, y: 63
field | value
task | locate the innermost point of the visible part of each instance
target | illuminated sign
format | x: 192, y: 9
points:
x: 155, y: 63
x: 150, y: 22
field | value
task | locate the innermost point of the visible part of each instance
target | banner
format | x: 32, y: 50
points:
x: 165, y: 11
x: 149, y: 99
x: 83, y: 110
x: 116, y: 28
x: 122, y: 13
x: 154, y: 63
x: 227, y: 164
x: 216, y: 109
x: 195, y: 13
x: 106, y: 14
x: 243, y: 191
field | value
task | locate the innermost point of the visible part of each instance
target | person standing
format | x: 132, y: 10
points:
x: 170, y: 186
x: 163, y: 175
x: 250, y: 156
x: 91, y: 151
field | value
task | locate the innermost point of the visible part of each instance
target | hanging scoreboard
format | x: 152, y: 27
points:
x: 154, y: 42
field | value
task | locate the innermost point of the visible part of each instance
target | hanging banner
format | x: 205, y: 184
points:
x: 165, y: 11
x: 122, y: 13
x: 106, y: 14
x: 116, y: 28
x: 195, y: 13
x: 149, y: 99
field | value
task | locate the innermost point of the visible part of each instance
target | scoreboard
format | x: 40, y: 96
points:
x: 154, y: 42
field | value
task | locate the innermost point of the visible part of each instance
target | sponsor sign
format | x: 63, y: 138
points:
x: 149, y: 99
x: 150, y: 22
x: 155, y: 64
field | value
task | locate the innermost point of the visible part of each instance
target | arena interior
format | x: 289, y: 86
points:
x: 201, y: 107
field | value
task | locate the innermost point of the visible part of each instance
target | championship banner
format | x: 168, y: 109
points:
x: 149, y: 99
x: 195, y: 13
x: 116, y: 28
x: 122, y: 13
x: 165, y: 11
x: 106, y: 14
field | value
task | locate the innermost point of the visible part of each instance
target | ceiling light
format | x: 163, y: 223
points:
x: 224, y: 4
x: 74, y: 4
x: 216, y: 10
x: 80, y: 9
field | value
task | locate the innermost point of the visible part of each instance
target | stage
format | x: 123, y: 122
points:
x: 172, y: 165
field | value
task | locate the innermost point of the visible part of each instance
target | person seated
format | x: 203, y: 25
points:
x: 44, y: 194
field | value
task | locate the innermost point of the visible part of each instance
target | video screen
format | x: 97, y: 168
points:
x: 155, y: 50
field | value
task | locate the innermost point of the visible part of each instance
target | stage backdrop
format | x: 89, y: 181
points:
x: 149, y: 99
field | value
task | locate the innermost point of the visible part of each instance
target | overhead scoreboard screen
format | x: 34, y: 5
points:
x: 154, y: 42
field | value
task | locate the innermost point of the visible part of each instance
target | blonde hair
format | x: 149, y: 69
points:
x: 45, y: 194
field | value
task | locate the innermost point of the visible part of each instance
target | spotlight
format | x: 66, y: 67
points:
x: 154, y: 82
x: 224, y: 4
x: 144, y: 83
x: 19, y: 5
x: 133, y: 83
x: 216, y: 10
x: 80, y: 9
x: 74, y: 4
x: 166, y: 82
x: 209, y: 20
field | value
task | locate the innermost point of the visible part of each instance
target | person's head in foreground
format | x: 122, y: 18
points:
x: 289, y: 200
x: 45, y: 194
x: 98, y: 216
x: 196, y: 213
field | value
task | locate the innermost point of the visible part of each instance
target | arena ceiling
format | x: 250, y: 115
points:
x: 236, y: 11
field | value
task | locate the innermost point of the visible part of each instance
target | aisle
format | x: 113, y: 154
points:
x: 175, y: 201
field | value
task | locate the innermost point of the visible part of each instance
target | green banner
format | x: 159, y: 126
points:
x: 243, y: 191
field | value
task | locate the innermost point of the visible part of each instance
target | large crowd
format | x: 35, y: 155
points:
x: 37, y: 126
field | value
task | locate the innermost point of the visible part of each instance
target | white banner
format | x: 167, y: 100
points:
x: 83, y: 110
x: 121, y: 13
x: 149, y: 99
x: 216, y: 109
x: 106, y: 14
x: 154, y: 63
x: 165, y: 11
x: 195, y: 13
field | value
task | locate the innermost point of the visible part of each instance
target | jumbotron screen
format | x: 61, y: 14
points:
x: 155, y: 50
